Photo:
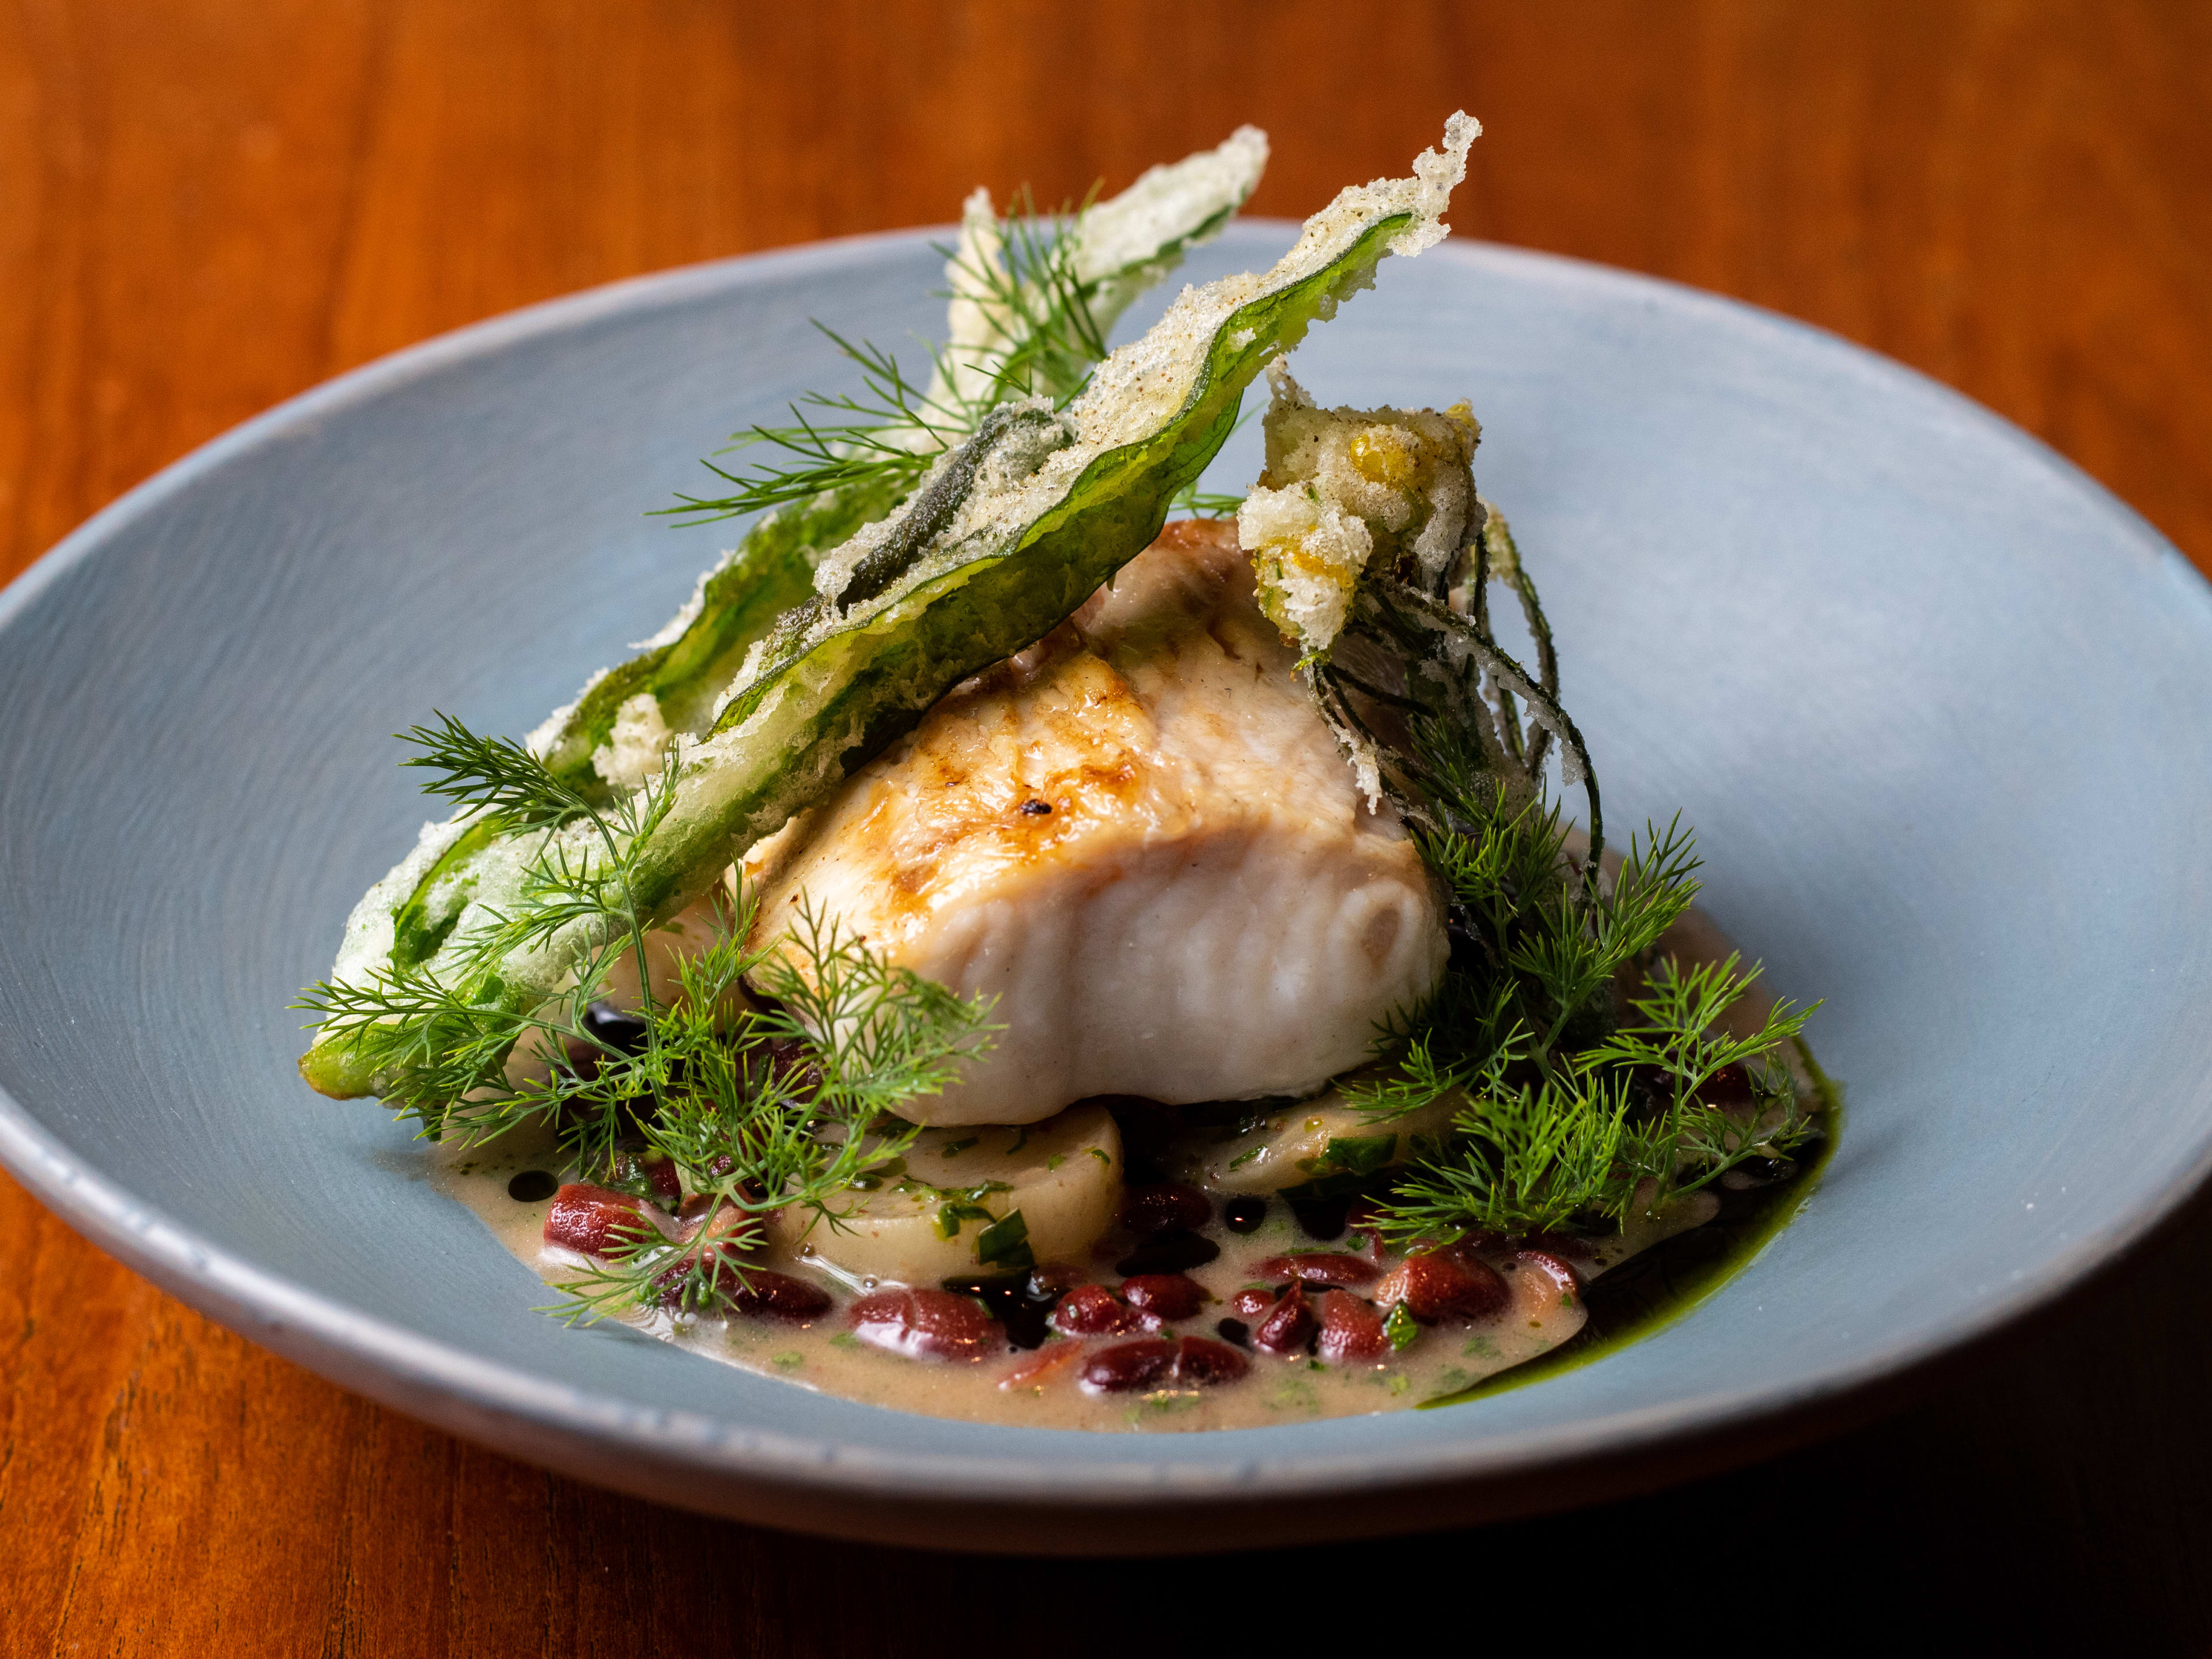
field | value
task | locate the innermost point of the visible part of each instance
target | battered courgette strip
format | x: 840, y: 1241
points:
x: 1119, y: 247
x: 601, y: 743
x: 1051, y: 504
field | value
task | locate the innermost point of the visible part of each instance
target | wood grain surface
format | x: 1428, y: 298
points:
x: 207, y: 205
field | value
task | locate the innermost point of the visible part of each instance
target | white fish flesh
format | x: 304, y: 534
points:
x: 1140, y: 839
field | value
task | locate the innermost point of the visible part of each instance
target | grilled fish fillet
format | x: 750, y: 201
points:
x: 1139, y: 838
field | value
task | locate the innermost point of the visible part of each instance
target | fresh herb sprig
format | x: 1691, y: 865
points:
x: 782, y: 1098
x: 793, y: 1105
x: 1530, y: 1155
x: 1044, y: 341
x: 1206, y: 503
x: 1673, y: 1038
x: 1569, y: 1113
x: 443, y: 1044
x: 1571, y: 1106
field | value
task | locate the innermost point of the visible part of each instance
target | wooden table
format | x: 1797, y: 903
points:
x: 207, y: 205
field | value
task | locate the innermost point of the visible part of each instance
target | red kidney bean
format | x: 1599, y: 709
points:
x: 1126, y: 1365
x: 1050, y: 1280
x: 924, y: 1324
x: 1289, y: 1329
x: 795, y: 1060
x: 1550, y: 1262
x: 1729, y: 1087
x: 1451, y: 1283
x: 700, y: 1215
x: 747, y: 1290
x: 1170, y: 1296
x: 1317, y: 1267
x: 1092, y: 1311
x: 766, y: 1293
x: 1165, y: 1207
x: 1351, y: 1329
x: 1367, y: 1245
x: 631, y: 1163
x: 1565, y: 1245
x: 594, y: 1220
x: 1011, y: 1299
x: 1206, y: 1362
x: 1252, y: 1301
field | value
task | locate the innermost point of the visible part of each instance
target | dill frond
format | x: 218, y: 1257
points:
x: 749, y: 1136
x: 1044, y: 340
x: 1531, y: 1156
x: 712, y: 1087
x: 495, y: 775
x: 1572, y: 1115
x: 887, y: 435
x: 1568, y: 1108
x: 1205, y: 504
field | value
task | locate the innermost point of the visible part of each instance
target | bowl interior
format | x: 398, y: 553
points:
x: 1935, y: 704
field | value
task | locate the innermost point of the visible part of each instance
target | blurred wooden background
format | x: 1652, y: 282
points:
x: 207, y: 205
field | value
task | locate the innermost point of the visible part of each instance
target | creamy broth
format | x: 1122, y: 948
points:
x: 1042, y: 1386
x: 821, y: 1353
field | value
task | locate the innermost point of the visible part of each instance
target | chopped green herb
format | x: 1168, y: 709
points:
x: 1005, y: 1243
x: 1359, y: 1154
x: 952, y: 1215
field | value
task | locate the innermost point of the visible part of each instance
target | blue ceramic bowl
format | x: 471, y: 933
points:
x: 1938, y: 707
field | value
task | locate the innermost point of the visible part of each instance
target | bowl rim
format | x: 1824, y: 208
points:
x: 473, y: 1395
